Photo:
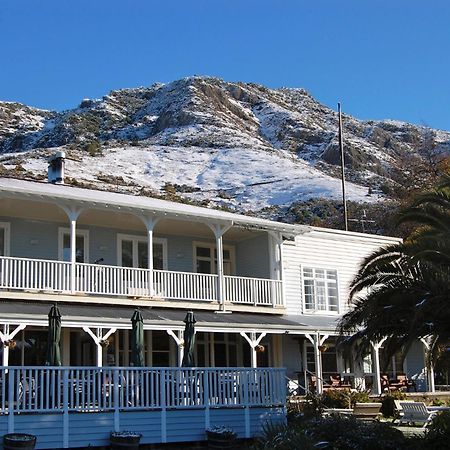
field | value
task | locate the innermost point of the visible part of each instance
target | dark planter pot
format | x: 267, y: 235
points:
x: 22, y: 441
x: 124, y: 442
x: 218, y: 441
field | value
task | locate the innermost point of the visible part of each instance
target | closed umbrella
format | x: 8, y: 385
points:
x: 54, y: 335
x: 137, y: 339
x: 189, y: 340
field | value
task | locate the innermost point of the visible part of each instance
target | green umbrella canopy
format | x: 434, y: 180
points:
x: 189, y: 340
x: 54, y: 336
x: 137, y: 339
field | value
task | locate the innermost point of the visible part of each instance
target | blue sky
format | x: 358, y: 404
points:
x: 381, y: 59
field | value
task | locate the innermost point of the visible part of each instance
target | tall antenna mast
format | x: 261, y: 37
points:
x: 341, y: 147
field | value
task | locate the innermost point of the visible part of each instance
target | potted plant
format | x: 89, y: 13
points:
x: 19, y: 440
x: 220, y: 437
x: 121, y: 440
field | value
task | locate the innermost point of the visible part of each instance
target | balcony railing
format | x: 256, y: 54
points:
x: 89, y: 389
x: 95, y: 279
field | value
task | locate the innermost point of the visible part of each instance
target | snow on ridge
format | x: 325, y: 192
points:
x: 225, y: 176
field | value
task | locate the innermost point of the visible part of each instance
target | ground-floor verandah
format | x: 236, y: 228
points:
x: 79, y: 406
x: 94, y: 335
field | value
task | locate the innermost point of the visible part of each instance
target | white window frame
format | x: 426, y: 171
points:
x: 7, y: 229
x: 84, y: 233
x: 135, y: 238
x: 327, y: 310
x: 212, y: 247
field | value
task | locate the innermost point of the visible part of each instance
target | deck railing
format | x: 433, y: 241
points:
x: 253, y: 291
x: 96, y: 279
x: 88, y: 389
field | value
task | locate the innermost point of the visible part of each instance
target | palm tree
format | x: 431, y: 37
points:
x: 402, y: 291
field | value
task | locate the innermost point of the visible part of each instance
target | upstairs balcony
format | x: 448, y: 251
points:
x: 60, y: 277
x: 63, y: 243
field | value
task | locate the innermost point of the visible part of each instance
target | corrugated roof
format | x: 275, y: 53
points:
x: 96, y: 199
x: 86, y: 315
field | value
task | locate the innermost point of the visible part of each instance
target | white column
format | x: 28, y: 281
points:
x: 317, y: 340
x: 376, y: 359
x: 8, y: 335
x: 318, y: 361
x: 276, y: 262
x: 219, y: 230
x: 150, y: 223
x: 179, y: 340
x: 98, y: 337
x: 73, y: 253
x: 429, y: 365
x: 72, y: 213
x: 253, y: 341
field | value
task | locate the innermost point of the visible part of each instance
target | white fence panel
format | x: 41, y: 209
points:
x: 185, y: 285
x: 89, y: 389
x: 96, y: 279
x: 34, y: 274
x: 253, y: 291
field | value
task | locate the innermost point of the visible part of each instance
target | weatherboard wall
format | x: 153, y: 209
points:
x: 325, y: 249
x: 56, y: 430
x: 38, y: 239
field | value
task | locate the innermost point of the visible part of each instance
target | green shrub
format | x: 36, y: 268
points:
x: 336, y: 433
x: 343, y: 398
x: 337, y: 398
x: 313, y: 406
x: 350, y: 433
x: 388, y: 405
x: 359, y: 397
x: 437, y: 402
x: 283, y: 437
x: 441, y: 424
x: 93, y: 148
x: 437, y: 436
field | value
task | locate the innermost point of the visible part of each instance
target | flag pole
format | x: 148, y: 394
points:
x: 341, y: 147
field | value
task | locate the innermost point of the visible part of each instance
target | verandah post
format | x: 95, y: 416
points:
x: 116, y: 399
x: 72, y: 213
x: 206, y: 401
x: 219, y: 230
x: 65, y: 408
x: 11, y: 388
x: 162, y: 399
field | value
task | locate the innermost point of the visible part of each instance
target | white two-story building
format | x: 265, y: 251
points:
x: 264, y: 294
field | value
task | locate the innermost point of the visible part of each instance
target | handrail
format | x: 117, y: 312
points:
x: 299, y: 386
x: 88, y: 389
x: 103, y: 279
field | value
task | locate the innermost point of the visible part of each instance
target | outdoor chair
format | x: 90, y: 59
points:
x: 367, y: 411
x: 403, y: 382
x: 386, y: 384
x: 415, y: 412
x: 336, y: 382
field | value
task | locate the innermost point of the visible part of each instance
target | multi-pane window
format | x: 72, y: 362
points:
x: 206, y: 259
x: 81, y: 245
x: 320, y: 290
x: 133, y: 252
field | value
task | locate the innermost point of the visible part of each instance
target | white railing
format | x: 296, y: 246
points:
x: 87, y: 389
x: 34, y: 274
x: 111, y: 280
x: 253, y: 291
x: 55, y: 276
x: 185, y: 285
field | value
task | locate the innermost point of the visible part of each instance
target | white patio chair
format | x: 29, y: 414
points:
x: 414, y: 412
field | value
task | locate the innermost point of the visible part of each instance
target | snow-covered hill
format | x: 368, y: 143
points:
x: 235, y: 145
